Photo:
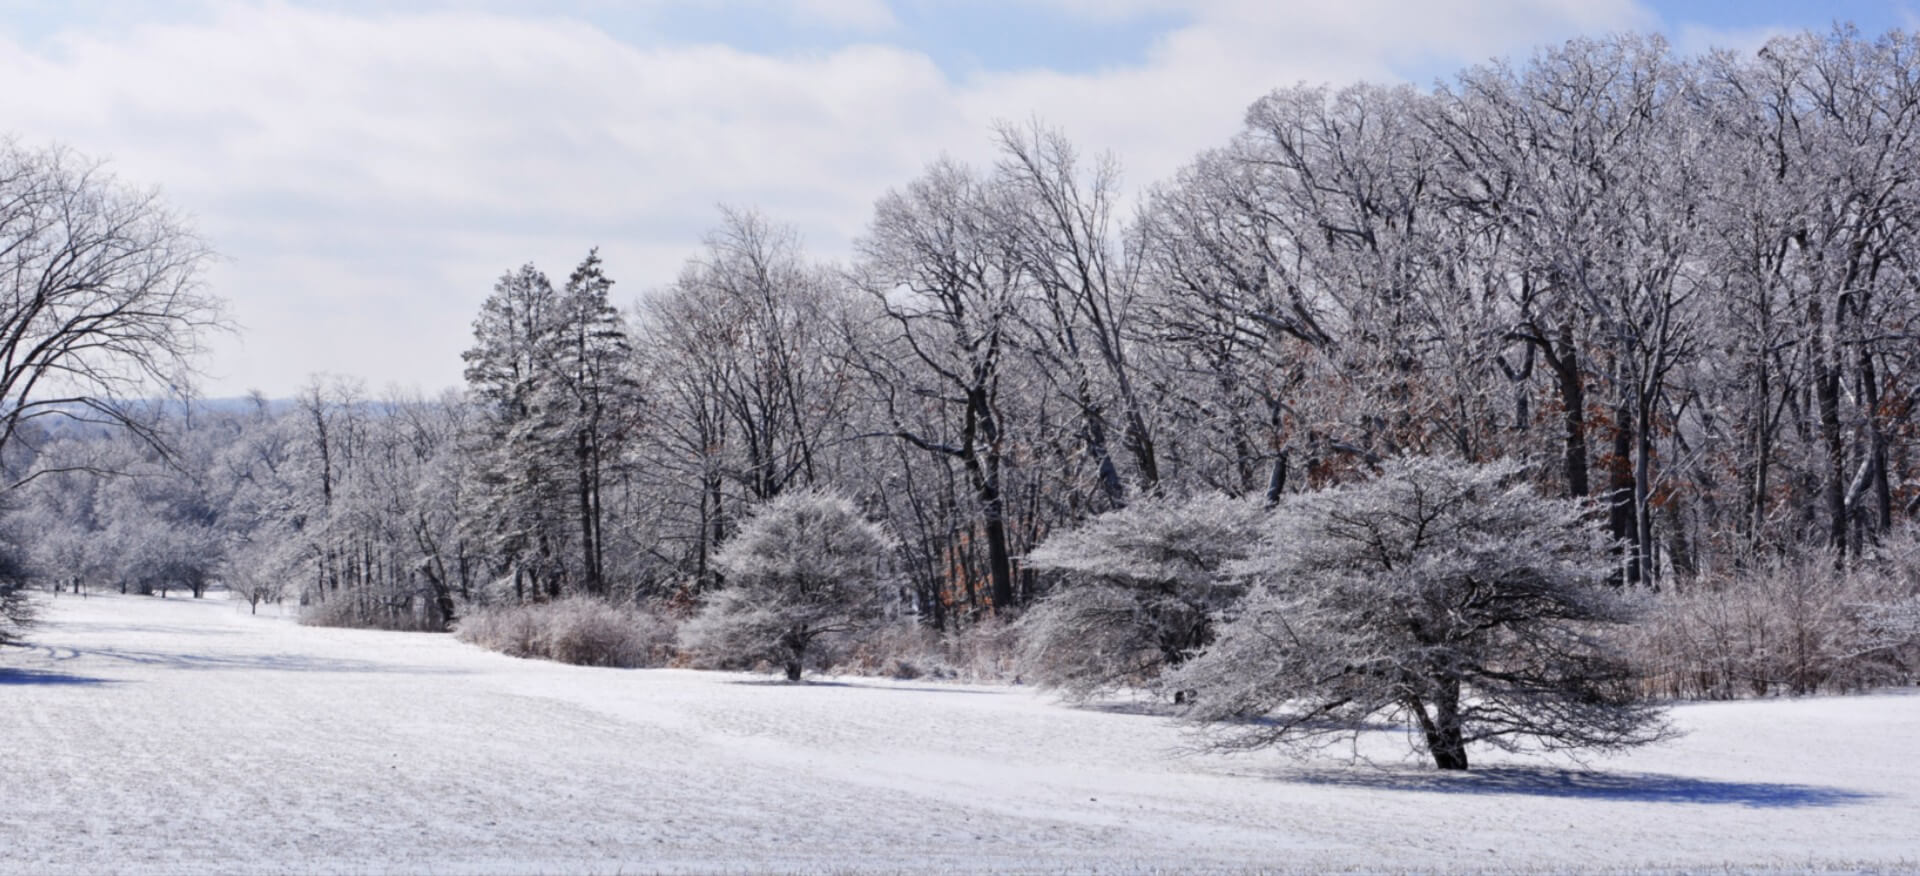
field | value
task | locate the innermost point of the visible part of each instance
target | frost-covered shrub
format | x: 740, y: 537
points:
x: 513, y: 630
x: 370, y: 610
x: 589, y: 632
x: 1448, y: 596
x: 982, y: 651
x: 580, y: 630
x: 16, y: 613
x: 803, y: 575
x: 1136, y: 590
x: 1786, y: 626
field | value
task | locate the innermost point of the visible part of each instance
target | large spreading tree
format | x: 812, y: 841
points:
x: 1451, y: 596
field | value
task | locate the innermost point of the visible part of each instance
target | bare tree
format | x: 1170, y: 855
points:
x: 1082, y: 308
x: 750, y: 396
x: 948, y: 283
x: 100, y: 295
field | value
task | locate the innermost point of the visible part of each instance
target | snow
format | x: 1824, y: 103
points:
x: 184, y: 736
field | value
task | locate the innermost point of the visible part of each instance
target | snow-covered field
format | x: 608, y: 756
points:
x: 144, y: 735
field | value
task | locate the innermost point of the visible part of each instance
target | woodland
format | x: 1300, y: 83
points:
x: 1639, y: 331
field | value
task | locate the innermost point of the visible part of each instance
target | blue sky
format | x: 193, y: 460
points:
x: 366, y: 169
x: 965, y: 37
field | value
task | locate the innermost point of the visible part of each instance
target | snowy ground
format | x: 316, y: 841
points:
x: 144, y: 735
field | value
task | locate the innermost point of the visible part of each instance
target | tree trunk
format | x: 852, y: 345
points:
x: 1756, y: 516
x: 442, y: 599
x: 1139, y: 440
x: 1445, y: 738
x: 1882, y: 489
x: 1573, y: 418
x: 547, y: 567
x: 1826, y: 390
x: 1277, y: 479
x: 1096, y: 441
x: 588, y: 547
x: 1449, y: 753
x: 1643, y: 545
x: 1622, y: 522
x: 999, y: 559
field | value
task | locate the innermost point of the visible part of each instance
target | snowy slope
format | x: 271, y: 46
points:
x: 184, y: 736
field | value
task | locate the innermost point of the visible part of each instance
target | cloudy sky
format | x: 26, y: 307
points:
x: 366, y: 169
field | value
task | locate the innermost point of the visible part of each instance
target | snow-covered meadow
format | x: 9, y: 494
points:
x: 147, y: 735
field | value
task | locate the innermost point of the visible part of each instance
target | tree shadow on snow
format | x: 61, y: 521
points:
x: 148, y: 629
x: 1166, y: 708
x: 807, y: 682
x: 34, y: 677
x: 265, y: 662
x: 1135, y: 708
x: 1627, y: 787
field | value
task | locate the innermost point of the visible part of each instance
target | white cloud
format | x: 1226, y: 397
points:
x: 369, y: 173
x: 1694, y: 39
x: 861, y: 15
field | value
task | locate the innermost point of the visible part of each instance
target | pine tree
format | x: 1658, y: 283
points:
x: 591, y: 399
x: 550, y: 370
x: 522, y: 492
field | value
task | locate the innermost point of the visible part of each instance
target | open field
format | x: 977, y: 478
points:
x: 148, y: 735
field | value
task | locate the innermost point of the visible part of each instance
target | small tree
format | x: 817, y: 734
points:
x: 1448, y: 595
x: 1138, y: 589
x: 803, y: 570
x: 256, y: 569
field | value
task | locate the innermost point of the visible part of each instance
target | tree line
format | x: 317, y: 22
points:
x: 1681, y: 288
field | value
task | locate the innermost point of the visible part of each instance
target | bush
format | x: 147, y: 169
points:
x: 17, y: 609
x: 984, y: 651
x: 578, y: 630
x: 360, y: 609
x: 1138, y: 590
x: 806, y: 575
x: 1793, y: 626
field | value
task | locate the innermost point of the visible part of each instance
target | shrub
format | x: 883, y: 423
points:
x: 1137, y: 591
x: 16, y: 613
x: 804, y: 575
x: 578, y: 630
x: 17, y: 609
x: 983, y: 651
x: 361, y: 609
x: 1792, y: 626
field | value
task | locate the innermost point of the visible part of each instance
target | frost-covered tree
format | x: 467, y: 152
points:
x: 746, y: 390
x: 948, y: 284
x: 590, y: 397
x: 806, y: 569
x: 1448, y: 595
x: 548, y: 373
x: 521, y: 510
x: 100, y: 296
x: 1137, y: 592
